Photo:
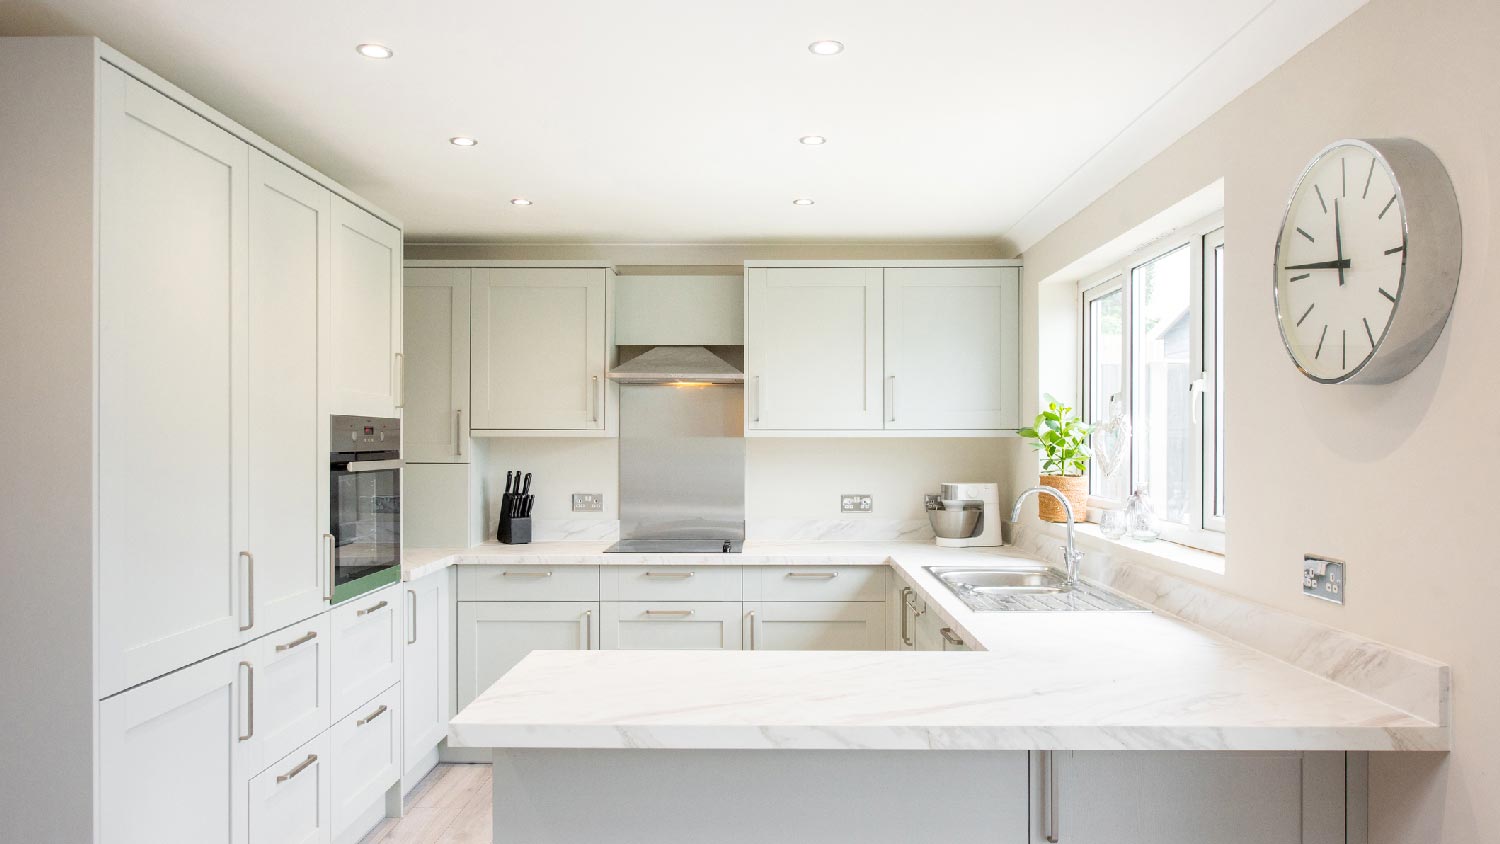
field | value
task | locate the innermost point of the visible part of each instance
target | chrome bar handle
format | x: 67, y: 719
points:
x: 822, y: 575
x: 752, y: 629
x: 905, y: 623
x: 400, y: 379
x: 951, y: 637
x: 458, y: 433
x: 371, y: 717
x: 757, y: 399
x: 588, y: 630
x: 890, y: 395
x: 667, y: 574
x: 525, y: 574
x: 1049, y: 795
x: 676, y: 613
x: 300, y: 640
x: 594, y: 399
x: 372, y: 608
x: 250, y: 695
x: 412, y: 602
x: 249, y: 559
x: 301, y: 766
x: 328, y: 541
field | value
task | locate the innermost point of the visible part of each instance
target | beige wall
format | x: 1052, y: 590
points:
x: 1394, y: 479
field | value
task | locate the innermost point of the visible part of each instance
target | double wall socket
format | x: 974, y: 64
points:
x: 856, y: 503
x: 1324, y: 578
x: 588, y: 502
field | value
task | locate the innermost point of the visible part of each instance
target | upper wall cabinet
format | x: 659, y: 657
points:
x: 366, y: 309
x: 435, y: 420
x: 925, y: 350
x: 541, y: 349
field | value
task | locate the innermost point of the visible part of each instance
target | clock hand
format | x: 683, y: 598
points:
x: 1340, y: 265
x: 1338, y: 239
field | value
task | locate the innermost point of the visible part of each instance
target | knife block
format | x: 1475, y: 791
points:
x: 514, y: 530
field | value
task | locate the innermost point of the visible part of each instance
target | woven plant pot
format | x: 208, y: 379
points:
x: 1075, y: 488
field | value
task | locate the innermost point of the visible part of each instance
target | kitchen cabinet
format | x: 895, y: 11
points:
x: 952, y: 347
x: 813, y: 348
x: 926, y: 627
x: 290, y: 220
x: 291, y: 801
x: 367, y: 634
x: 171, y: 431
x: 816, y: 625
x: 425, y: 680
x: 365, y: 313
x: 495, y: 635
x: 170, y: 760
x: 440, y: 506
x: 540, y: 348
x: 292, y: 690
x: 365, y: 748
x: 435, y: 352
x: 670, y: 625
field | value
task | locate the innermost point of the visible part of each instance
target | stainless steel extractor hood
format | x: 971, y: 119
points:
x: 677, y: 365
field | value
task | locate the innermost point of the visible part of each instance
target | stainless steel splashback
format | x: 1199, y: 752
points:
x: 682, y: 462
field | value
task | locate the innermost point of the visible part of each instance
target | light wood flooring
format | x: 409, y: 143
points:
x: 451, y: 805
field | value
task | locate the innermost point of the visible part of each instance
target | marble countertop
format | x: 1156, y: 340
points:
x: 1039, y: 681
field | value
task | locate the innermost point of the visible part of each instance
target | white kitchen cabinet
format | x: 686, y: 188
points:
x: 170, y: 762
x: 287, y: 433
x: 291, y: 801
x: 424, y: 678
x: 952, y: 346
x: 495, y: 635
x: 171, y: 390
x: 435, y: 356
x: 292, y: 689
x: 367, y: 634
x: 816, y: 625
x: 366, y: 751
x: 813, y: 348
x: 671, y: 625
x: 1188, y: 797
x: 365, y: 313
x: 540, y: 347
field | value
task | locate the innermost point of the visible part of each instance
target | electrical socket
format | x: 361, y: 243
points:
x: 1330, y: 584
x: 858, y: 502
x: 588, y: 502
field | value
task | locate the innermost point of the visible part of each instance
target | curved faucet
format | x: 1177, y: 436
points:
x: 1071, y: 556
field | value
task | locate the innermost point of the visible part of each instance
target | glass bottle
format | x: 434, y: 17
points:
x: 1140, y: 516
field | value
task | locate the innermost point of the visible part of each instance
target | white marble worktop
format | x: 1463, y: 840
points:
x: 1063, y: 680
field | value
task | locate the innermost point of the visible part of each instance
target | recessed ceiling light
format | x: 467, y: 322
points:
x: 461, y: 141
x: 803, y: 201
x: 812, y: 140
x: 375, y: 51
x: 520, y: 201
x: 826, y: 48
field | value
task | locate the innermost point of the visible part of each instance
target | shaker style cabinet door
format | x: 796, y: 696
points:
x: 539, y: 348
x: 293, y: 688
x: 435, y: 420
x: 291, y: 801
x: 952, y: 346
x: 671, y: 625
x: 816, y: 626
x: 171, y: 394
x: 365, y: 313
x: 813, y: 347
x: 495, y: 635
x: 424, y: 678
x: 290, y: 223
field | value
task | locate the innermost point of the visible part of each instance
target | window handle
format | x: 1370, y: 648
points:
x: 1196, y: 390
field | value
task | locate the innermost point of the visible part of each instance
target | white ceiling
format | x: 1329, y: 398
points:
x: 676, y: 120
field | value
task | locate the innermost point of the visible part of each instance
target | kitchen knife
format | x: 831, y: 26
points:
x: 526, y: 489
x: 508, y: 476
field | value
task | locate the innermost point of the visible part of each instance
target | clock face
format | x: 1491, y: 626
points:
x: 1341, y: 262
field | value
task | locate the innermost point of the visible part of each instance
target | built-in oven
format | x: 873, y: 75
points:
x: 364, y: 469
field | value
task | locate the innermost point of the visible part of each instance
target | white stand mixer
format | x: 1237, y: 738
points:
x: 965, y: 515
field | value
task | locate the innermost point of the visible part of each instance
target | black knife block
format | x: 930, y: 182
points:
x: 514, y: 530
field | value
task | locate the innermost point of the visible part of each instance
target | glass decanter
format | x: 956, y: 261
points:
x: 1140, y: 516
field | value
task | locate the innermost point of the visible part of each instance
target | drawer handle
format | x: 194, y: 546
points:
x: 300, y: 640
x: 825, y: 575
x: 525, y: 574
x: 953, y: 638
x: 677, y: 613
x: 367, y: 610
x: 667, y: 574
x: 371, y: 717
x: 301, y: 766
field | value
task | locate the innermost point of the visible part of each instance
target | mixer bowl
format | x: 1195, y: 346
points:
x: 954, y: 524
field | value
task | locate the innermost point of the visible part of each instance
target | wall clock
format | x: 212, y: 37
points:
x: 1367, y: 261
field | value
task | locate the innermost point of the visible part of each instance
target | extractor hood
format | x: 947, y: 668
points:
x: 677, y: 364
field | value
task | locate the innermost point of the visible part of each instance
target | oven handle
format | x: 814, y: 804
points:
x: 373, y: 465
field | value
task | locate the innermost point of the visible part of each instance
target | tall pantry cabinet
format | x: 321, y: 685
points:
x: 184, y: 306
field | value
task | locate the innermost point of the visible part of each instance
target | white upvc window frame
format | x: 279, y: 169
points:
x: 1206, y: 527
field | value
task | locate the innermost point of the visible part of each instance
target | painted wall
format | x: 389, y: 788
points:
x: 1395, y: 479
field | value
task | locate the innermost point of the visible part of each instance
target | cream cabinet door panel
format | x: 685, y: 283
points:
x: 817, y: 625
x: 171, y: 402
x: 366, y: 313
x: 495, y: 635
x: 290, y: 223
x: 366, y: 751
x: 813, y: 347
x: 435, y: 357
x: 539, y: 353
x: 671, y: 625
x: 293, y: 688
x: 424, y: 677
x: 952, y: 345
x: 367, y: 647
x: 291, y: 801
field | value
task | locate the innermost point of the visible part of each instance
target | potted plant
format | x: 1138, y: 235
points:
x: 1062, y: 439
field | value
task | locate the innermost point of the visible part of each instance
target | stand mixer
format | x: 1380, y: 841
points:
x: 965, y: 515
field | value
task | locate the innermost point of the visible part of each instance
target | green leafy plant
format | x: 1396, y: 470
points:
x: 1062, y: 438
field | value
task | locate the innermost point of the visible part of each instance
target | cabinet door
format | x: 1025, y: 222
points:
x: 813, y: 345
x: 287, y: 430
x: 435, y: 420
x: 424, y: 678
x: 495, y: 635
x: 539, y: 349
x: 365, y: 315
x: 171, y: 400
x: 290, y: 802
x: 293, y: 688
x: 1124, y: 797
x: 671, y: 625
x: 816, y: 625
x: 926, y: 627
x: 367, y: 646
x: 952, y: 346
x: 169, y: 756
x: 366, y: 751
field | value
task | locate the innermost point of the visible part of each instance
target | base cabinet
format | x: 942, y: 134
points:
x: 424, y: 678
x: 816, y: 625
x: 670, y: 625
x: 495, y: 635
x: 290, y: 802
x: 366, y: 753
x: 367, y: 637
x: 292, y: 685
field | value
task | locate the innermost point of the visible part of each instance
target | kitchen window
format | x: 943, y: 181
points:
x: 1151, y: 327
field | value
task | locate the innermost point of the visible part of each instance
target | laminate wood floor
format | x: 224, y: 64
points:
x: 451, y: 805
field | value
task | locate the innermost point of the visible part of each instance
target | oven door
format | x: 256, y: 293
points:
x: 365, y: 516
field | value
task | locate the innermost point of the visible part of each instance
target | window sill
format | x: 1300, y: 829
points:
x: 1159, y: 551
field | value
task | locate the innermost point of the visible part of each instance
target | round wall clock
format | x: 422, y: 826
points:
x: 1367, y: 261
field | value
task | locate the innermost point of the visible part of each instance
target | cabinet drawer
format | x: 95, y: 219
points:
x: 528, y: 583
x: 366, y: 752
x: 367, y: 643
x: 289, y: 801
x: 670, y: 583
x: 671, y: 625
x: 816, y: 583
x: 293, y: 670
x: 816, y: 626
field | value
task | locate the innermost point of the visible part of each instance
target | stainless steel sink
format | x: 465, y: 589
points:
x: 1025, y: 589
x: 1006, y: 580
